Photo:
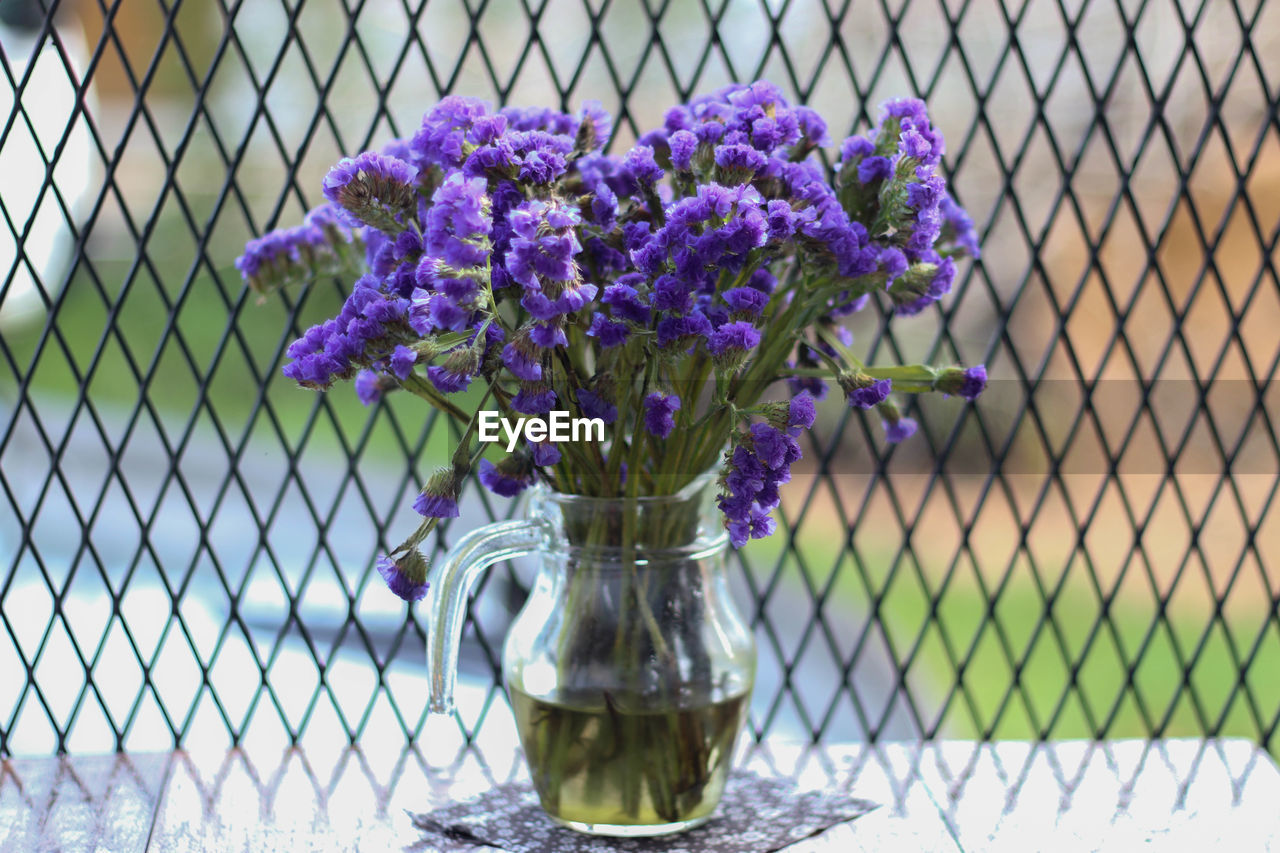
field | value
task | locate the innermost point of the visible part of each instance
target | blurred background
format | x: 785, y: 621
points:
x: 1092, y: 550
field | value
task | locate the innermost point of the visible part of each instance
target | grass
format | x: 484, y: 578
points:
x: 219, y: 366
x: 1052, y: 667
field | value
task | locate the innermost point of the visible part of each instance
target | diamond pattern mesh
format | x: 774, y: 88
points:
x: 187, y: 541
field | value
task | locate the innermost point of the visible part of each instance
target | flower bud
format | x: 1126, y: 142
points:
x: 463, y: 361
x: 406, y: 575
x: 776, y: 415
x: 862, y: 391
x: 897, y: 427
x: 374, y: 190
x: 967, y: 383
x: 439, y: 498
x: 511, y: 476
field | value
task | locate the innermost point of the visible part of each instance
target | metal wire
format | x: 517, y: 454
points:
x: 190, y: 544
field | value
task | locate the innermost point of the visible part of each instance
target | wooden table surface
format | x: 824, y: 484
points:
x: 952, y: 795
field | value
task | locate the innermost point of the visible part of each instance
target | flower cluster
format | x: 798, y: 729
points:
x: 368, y: 331
x: 662, y: 289
x: 322, y: 245
x: 760, y: 462
x: 890, y: 179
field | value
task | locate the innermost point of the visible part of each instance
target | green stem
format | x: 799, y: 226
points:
x: 460, y: 455
x: 420, y: 387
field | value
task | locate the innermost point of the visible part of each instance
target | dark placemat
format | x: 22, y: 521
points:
x: 758, y: 814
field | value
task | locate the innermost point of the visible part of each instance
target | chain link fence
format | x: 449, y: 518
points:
x: 1092, y: 550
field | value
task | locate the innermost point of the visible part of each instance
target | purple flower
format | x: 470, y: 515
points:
x: 863, y: 392
x: 387, y: 310
x: 738, y: 163
x: 408, y: 245
x: 533, y: 400
x: 548, y: 335
x: 544, y: 453
x: 975, y: 382
x: 767, y: 134
x: 540, y: 158
x: 374, y: 190
x: 486, y: 129
x: 603, y: 257
x: 917, y: 138
x: 678, y: 330
x: 536, y: 254
x: 522, y: 359
x: 625, y: 301
x: 449, y: 305
x: 746, y: 301
x: 573, y: 297
x: 898, y: 430
x: 406, y: 576
x: 335, y: 348
x: 911, y: 294
x: 444, y: 130
x: 757, y: 524
x: 655, y: 139
x: 608, y: 332
x: 640, y: 171
x: 595, y: 406
x: 774, y: 448
x: 659, y: 412
x: 321, y: 245
x: 435, y: 506
x: 595, y: 127
x: 874, y: 169
x: 924, y: 197
x: 439, y: 498
x: 448, y: 381
x: 893, y: 263
x: 745, y: 475
x: 458, y: 222
x: 683, y: 146
x: 495, y: 160
x: 540, y: 118
x: 635, y: 235
x: 651, y: 258
x: 966, y: 383
x: 672, y: 294
x: 484, y: 204
x: 781, y: 220
x: 709, y: 133
x: 367, y: 387
x: 739, y: 336
x: 508, y: 478
x: 913, y: 144
x: 756, y: 467
x: 813, y: 127
x: 760, y: 93
x: 259, y: 254
x: 855, y: 148
x: 604, y: 207
x: 802, y: 411
x: 763, y: 281
x: 958, y: 227
x: 402, y: 361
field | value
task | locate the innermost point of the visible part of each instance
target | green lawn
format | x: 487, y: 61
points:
x: 1077, y: 674
x: 221, y: 362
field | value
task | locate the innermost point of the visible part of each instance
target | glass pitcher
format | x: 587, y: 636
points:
x: 629, y: 670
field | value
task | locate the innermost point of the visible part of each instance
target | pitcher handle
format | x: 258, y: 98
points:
x: 451, y: 581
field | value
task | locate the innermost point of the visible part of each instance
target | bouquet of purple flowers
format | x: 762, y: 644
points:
x: 660, y: 293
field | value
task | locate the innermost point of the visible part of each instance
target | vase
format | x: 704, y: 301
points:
x: 629, y: 669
